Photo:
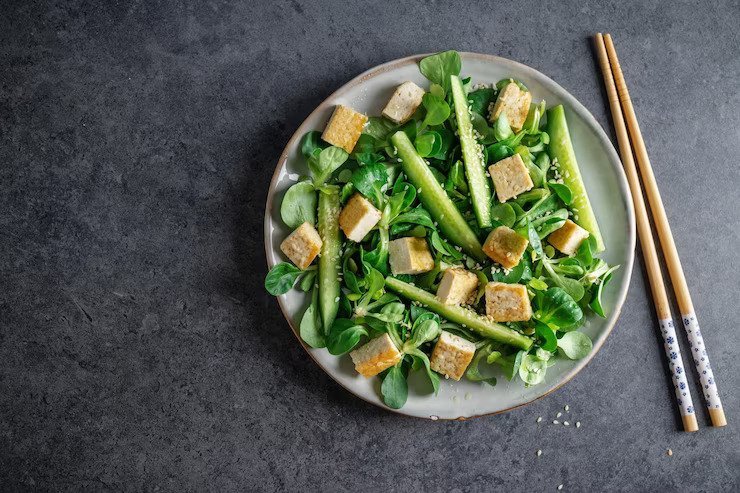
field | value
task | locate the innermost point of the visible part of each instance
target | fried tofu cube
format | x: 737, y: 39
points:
x: 510, y: 177
x: 344, y: 127
x: 505, y: 246
x: 375, y: 356
x: 507, y: 302
x: 451, y: 355
x: 514, y: 103
x: 302, y: 245
x: 457, y: 287
x: 410, y: 256
x: 568, y: 237
x: 404, y: 102
x: 358, y: 217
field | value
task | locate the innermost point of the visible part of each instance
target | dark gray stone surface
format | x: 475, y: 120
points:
x: 138, y: 350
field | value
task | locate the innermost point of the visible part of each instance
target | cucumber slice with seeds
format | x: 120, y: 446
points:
x: 435, y: 199
x: 460, y: 315
x: 329, y: 262
x: 472, y: 152
x: 561, y: 149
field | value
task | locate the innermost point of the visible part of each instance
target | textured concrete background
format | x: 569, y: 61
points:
x: 138, y: 350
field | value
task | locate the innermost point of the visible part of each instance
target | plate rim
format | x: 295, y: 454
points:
x: 574, y: 105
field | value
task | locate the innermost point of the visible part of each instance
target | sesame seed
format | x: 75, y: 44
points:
x: 560, y: 487
x: 555, y: 422
x: 539, y: 452
x: 669, y: 452
x: 559, y: 414
x: 565, y: 423
x: 336, y: 300
x: 578, y: 424
x: 567, y: 408
x: 539, y: 420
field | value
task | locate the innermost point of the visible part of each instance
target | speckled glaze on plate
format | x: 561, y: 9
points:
x: 607, y: 189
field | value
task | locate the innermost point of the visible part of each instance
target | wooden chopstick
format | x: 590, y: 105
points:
x: 673, y: 263
x: 652, y: 264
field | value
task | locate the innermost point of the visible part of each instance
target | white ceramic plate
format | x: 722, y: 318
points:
x: 607, y: 189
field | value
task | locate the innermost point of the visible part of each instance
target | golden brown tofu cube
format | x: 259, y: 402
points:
x: 344, y: 128
x: 568, y: 237
x: 510, y: 177
x: 302, y: 245
x: 505, y: 246
x: 507, y: 302
x: 457, y: 287
x: 375, y: 356
x: 410, y: 256
x: 514, y: 103
x: 358, y: 217
x: 404, y: 102
x: 451, y: 355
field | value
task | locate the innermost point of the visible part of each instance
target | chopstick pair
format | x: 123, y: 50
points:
x: 617, y: 93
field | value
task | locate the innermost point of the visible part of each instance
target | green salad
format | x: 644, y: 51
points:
x: 450, y: 235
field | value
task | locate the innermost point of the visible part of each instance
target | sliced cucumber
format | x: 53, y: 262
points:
x: 480, y: 190
x: 435, y: 199
x: 460, y: 315
x: 329, y: 262
x: 561, y: 149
